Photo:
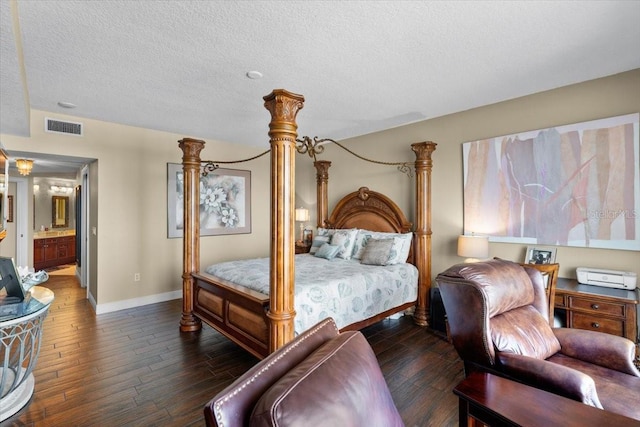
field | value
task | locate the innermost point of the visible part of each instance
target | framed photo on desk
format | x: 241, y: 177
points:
x: 540, y: 255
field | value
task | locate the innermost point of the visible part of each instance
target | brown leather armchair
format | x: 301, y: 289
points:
x: 499, y: 322
x: 322, y: 377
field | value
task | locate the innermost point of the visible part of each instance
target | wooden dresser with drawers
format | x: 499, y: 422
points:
x: 596, y: 308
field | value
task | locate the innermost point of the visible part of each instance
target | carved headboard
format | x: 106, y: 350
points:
x: 369, y: 210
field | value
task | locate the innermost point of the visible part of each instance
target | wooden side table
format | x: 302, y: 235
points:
x: 302, y: 248
x: 497, y: 401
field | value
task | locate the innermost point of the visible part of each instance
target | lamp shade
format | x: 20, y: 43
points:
x: 473, y: 246
x: 302, y: 214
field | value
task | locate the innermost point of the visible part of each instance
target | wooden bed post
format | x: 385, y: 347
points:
x: 284, y: 107
x: 191, y: 241
x: 423, y: 165
x: 322, y: 180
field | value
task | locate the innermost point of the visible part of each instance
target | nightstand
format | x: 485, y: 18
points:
x: 302, y: 248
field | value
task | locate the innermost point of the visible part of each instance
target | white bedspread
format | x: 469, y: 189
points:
x: 345, y: 290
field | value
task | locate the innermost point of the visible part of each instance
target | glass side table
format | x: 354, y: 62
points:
x: 20, y: 338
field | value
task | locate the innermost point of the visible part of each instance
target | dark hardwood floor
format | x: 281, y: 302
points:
x: 134, y: 367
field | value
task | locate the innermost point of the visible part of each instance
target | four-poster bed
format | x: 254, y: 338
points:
x: 262, y: 323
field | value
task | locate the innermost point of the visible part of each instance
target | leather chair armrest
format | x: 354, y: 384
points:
x: 551, y: 377
x: 602, y: 349
x: 233, y: 405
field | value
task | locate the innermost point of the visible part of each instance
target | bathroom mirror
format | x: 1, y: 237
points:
x: 60, y: 211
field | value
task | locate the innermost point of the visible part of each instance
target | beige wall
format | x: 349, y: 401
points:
x: 606, y: 97
x: 129, y: 207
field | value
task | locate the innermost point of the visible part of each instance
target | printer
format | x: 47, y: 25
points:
x: 608, y: 278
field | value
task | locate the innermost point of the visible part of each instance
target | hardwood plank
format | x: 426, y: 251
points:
x: 134, y: 367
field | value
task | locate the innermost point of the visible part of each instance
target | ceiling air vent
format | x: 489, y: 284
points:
x: 64, y: 127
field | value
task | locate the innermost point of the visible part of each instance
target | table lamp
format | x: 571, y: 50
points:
x: 302, y: 216
x: 473, y: 247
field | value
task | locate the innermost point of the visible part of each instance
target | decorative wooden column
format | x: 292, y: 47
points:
x: 283, y: 107
x: 191, y: 149
x: 322, y: 196
x: 422, y: 247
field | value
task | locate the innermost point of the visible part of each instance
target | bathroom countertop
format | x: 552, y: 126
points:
x: 53, y: 233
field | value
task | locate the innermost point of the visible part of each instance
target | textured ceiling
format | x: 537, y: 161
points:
x: 363, y: 66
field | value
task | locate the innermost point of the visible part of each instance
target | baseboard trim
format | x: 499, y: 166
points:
x: 137, y: 302
x: 92, y: 300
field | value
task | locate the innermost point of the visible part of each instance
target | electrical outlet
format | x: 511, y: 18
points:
x: 136, y: 277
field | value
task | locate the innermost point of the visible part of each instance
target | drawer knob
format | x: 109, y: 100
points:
x: 595, y: 306
x: 595, y: 325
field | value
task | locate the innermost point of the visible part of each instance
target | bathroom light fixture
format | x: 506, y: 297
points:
x: 24, y: 166
x: 58, y: 189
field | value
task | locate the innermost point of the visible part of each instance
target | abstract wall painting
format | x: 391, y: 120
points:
x: 573, y: 185
x: 225, y: 201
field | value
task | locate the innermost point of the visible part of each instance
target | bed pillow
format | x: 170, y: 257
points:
x: 361, y: 240
x: 327, y: 251
x: 345, y: 238
x: 377, y: 252
x: 317, y: 242
x: 325, y: 231
x: 401, y: 247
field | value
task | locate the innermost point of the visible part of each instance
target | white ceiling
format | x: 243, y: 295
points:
x: 363, y: 66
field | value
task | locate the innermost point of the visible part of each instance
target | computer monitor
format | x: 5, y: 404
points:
x: 10, y: 281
